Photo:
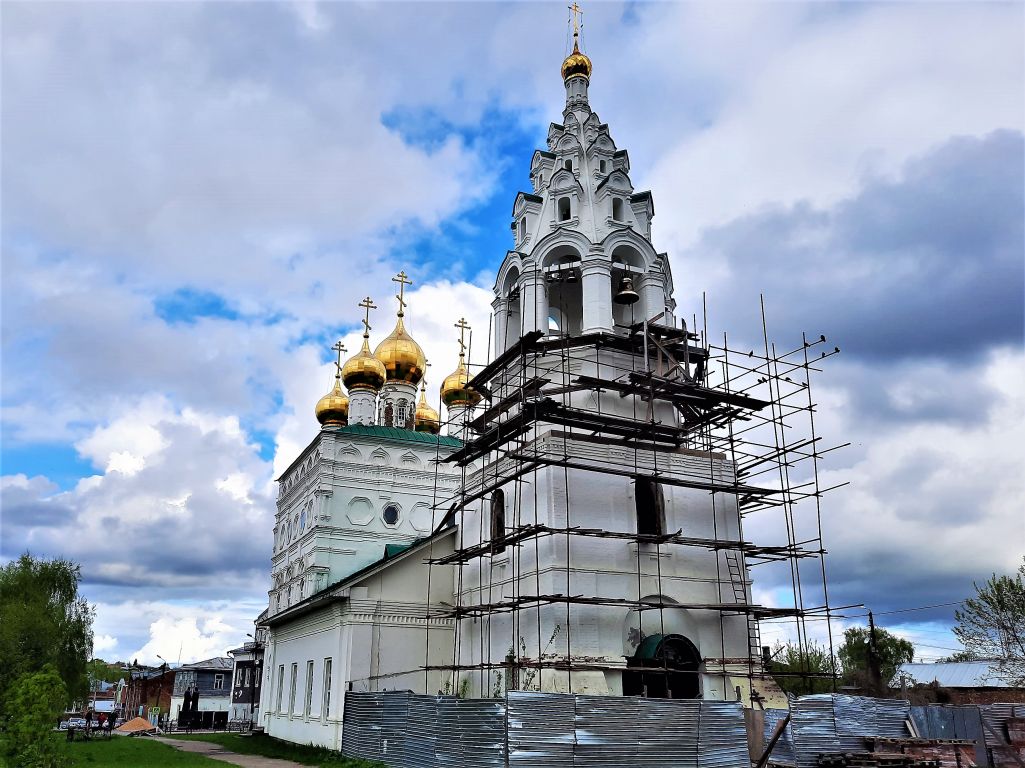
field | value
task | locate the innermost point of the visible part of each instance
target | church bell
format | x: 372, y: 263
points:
x: 626, y: 294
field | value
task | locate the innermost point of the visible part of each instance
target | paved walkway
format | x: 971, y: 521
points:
x: 217, y: 752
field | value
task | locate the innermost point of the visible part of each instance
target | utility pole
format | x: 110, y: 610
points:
x: 873, y: 658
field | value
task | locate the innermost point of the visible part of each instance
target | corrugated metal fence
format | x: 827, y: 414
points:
x: 539, y: 730
x: 524, y: 730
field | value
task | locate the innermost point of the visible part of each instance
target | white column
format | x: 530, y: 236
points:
x: 362, y: 406
x: 500, y: 312
x: 653, y: 296
x: 458, y: 415
x: 533, y: 302
x: 596, y: 285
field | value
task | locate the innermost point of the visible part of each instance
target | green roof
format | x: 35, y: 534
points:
x: 407, y: 435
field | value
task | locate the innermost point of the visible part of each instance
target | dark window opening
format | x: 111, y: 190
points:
x: 497, y: 521
x: 650, y: 504
x: 672, y: 664
x: 568, y: 165
x: 391, y: 514
x: 523, y: 227
x: 617, y: 209
x: 563, y: 209
x: 601, y: 166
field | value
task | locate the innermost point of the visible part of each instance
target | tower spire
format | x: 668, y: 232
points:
x: 576, y: 13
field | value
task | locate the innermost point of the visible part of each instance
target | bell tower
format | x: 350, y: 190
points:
x: 582, y: 235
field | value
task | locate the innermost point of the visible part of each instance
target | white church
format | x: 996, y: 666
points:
x: 559, y: 528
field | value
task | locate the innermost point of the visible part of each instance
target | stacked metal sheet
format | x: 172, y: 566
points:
x: 995, y: 716
x: 722, y: 736
x: 541, y: 729
x: 607, y: 731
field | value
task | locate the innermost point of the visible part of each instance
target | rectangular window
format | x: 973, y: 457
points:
x: 308, y: 706
x: 281, y: 685
x: 218, y: 682
x: 326, y: 709
x: 291, y: 690
x: 248, y: 678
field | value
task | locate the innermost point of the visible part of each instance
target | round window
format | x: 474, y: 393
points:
x: 391, y: 514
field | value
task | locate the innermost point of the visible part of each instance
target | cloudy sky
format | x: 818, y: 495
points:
x: 195, y: 197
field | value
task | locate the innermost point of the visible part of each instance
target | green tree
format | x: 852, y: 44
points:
x: 796, y: 669
x: 891, y: 652
x: 991, y: 625
x: 36, y: 701
x: 45, y: 621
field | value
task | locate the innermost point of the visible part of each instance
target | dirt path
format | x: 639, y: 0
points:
x: 217, y: 752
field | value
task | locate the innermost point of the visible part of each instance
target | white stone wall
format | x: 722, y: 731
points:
x: 378, y: 636
x: 332, y: 508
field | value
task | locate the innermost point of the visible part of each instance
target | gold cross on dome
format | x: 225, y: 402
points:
x: 463, y: 328
x: 339, y: 348
x: 367, y: 304
x: 403, y: 280
x: 575, y: 10
x: 423, y: 381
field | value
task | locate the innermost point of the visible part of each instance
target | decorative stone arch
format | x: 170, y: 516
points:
x: 380, y: 456
x: 508, y: 275
x: 507, y: 303
x: 410, y: 459
x: 667, y: 638
x: 561, y: 270
x: 349, y: 452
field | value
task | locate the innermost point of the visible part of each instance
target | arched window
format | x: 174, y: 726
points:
x: 523, y: 227
x: 497, y: 521
x: 563, y: 209
x: 400, y: 413
x: 617, y: 209
x: 601, y: 166
x: 568, y: 165
x: 650, y: 504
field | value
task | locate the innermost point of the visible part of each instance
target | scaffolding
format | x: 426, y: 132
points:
x: 650, y: 395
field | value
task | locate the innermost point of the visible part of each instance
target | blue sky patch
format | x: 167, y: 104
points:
x: 187, y: 305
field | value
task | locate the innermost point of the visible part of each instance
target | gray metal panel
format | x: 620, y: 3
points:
x: 783, y: 752
x: 541, y: 729
x: 422, y: 731
x: 722, y: 736
x: 646, y: 733
x: 480, y: 727
x: 863, y: 716
x: 814, y: 728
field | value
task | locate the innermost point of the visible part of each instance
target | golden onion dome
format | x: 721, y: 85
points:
x: 427, y: 419
x: 402, y: 357
x: 454, y: 391
x: 576, y: 65
x: 333, y: 408
x: 363, y: 370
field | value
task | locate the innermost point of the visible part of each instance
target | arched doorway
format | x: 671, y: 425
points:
x: 663, y: 667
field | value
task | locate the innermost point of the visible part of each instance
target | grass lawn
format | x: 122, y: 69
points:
x: 261, y: 744
x: 127, y: 752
